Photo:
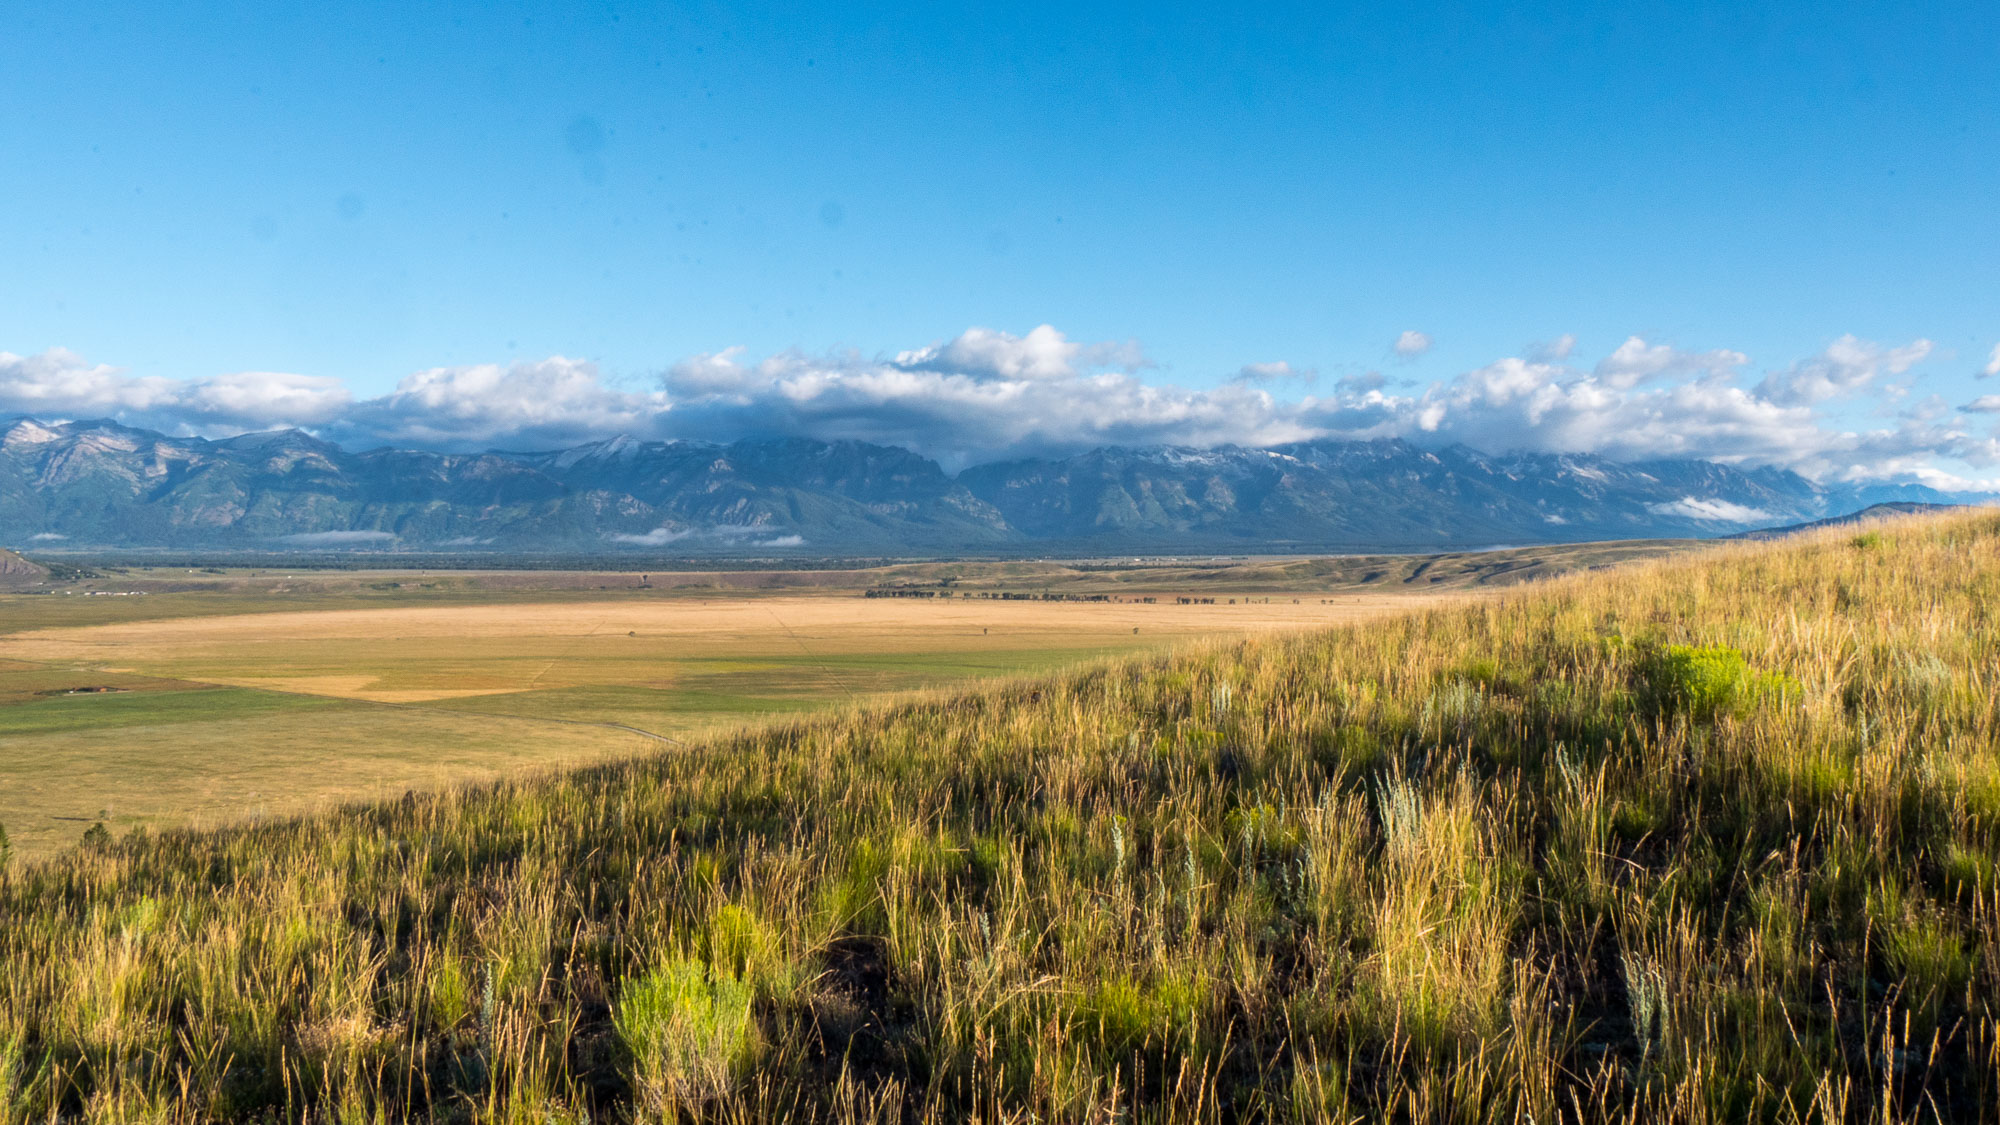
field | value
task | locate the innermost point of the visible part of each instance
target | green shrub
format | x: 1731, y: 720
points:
x: 1708, y: 682
x: 1866, y: 541
x: 689, y: 1033
x: 742, y: 945
x: 96, y: 838
x: 1489, y: 675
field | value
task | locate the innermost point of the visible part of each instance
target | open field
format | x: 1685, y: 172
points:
x: 202, y: 718
x: 1714, y: 839
x: 150, y: 695
x: 258, y: 588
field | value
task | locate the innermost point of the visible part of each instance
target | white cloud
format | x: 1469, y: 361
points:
x: 1992, y: 367
x: 341, y: 538
x: 1552, y: 351
x: 1847, y: 366
x: 1043, y: 353
x: 1719, y: 511
x: 987, y: 395
x: 59, y: 384
x: 658, y: 537
x: 1635, y: 361
x: 1984, y: 404
x: 1515, y: 403
x: 551, y: 402
x: 1412, y: 343
x: 269, y: 397
x: 46, y: 537
x: 1277, y: 372
x: 739, y: 534
x: 960, y: 417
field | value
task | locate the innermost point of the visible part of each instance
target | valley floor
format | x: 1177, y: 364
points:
x: 186, y: 716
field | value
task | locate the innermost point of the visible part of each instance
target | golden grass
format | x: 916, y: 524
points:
x: 1711, y: 840
x: 527, y: 683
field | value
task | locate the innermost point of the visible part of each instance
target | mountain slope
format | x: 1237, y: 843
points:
x: 103, y: 484
x: 1382, y: 494
x: 1887, y: 510
x: 17, y: 572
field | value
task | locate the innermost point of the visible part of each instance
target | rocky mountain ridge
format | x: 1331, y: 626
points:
x: 103, y: 484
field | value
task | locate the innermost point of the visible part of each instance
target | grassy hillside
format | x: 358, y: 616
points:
x: 1711, y: 839
x: 16, y: 572
x: 206, y: 718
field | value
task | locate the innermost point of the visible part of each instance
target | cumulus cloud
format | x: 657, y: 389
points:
x: 1645, y: 400
x: 268, y: 396
x: 1636, y: 361
x: 1992, y: 367
x: 988, y: 395
x: 59, y: 383
x: 1847, y: 366
x: 1412, y: 344
x: 1043, y: 353
x: 1690, y: 405
x: 552, y: 402
x: 961, y: 412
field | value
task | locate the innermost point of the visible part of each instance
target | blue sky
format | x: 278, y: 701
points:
x: 535, y: 223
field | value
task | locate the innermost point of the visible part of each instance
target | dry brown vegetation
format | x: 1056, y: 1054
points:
x: 1714, y: 839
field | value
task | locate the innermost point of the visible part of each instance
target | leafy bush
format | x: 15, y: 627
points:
x: 688, y: 1030
x: 1708, y: 682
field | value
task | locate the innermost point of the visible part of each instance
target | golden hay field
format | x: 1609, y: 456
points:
x: 205, y: 717
x: 403, y: 655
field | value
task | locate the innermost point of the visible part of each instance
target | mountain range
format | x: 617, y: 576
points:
x: 101, y: 484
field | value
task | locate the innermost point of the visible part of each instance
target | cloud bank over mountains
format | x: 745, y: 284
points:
x: 988, y: 394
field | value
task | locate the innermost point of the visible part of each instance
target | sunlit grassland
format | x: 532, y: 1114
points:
x: 1705, y: 840
x: 163, y: 752
x: 200, y: 718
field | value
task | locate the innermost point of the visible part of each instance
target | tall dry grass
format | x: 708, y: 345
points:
x: 1708, y: 840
